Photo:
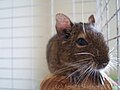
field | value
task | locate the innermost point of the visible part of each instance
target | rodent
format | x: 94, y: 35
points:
x: 77, y: 52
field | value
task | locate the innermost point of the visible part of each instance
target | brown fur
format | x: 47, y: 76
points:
x: 60, y: 52
x: 62, y: 61
x: 62, y: 83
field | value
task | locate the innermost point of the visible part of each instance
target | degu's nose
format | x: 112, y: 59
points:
x: 101, y: 62
x: 105, y: 64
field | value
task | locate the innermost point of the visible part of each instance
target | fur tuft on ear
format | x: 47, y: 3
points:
x: 91, y: 19
x: 62, y: 23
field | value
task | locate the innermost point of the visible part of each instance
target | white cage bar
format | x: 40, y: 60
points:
x: 110, y: 27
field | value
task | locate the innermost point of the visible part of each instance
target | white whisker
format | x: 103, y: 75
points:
x: 85, y: 53
x: 112, y: 82
x: 90, y: 72
x: 84, y: 73
x: 78, y: 70
x: 77, y: 62
x: 94, y: 74
x: 69, y: 66
x: 114, y: 62
x: 102, y: 80
x: 109, y: 67
x: 63, y: 69
x: 85, y: 59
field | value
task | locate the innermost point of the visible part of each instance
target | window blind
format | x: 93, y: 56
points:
x: 24, y: 32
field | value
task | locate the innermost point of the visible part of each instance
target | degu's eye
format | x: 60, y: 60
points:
x: 81, y: 42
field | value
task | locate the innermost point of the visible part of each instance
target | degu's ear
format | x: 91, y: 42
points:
x: 91, y: 19
x: 62, y: 23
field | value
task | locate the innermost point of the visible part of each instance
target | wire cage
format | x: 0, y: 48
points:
x: 27, y: 25
x: 108, y: 19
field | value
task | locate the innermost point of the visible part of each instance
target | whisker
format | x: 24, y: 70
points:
x: 78, y: 70
x: 97, y: 79
x: 109, y: 79
x: 111, y: 66
x: 79, y: 61
x: 75, y: 79
x: 94, y: 74
x: 85, y: 53
x: 115, y: 61
x: 63, y: 69
x: 88, y: 75
x: 84, y: 73
x: 84, y: 59
x: 70, y: 66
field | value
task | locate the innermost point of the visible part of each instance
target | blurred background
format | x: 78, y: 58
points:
x: 27, y: 25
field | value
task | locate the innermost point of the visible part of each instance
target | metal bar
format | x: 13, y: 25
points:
x: 74, y: 10
x: 118, y: 53
x: 117, y: 37
x: 52, y: 17
x: 105, y: 6
x: 111, y: 17
x: 107, y: 17
x: 86, y: 1
x: 77, y: 13
x: 98, y: 13
x: 100, y: 4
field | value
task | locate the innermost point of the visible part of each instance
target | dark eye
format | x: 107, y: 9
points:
x: 81, y: 42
